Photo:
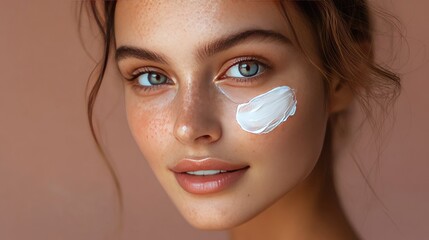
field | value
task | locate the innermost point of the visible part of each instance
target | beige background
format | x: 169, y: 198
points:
x: 54, y: 185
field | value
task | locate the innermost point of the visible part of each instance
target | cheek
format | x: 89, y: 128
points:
x: 289, y: 153
x: 149, y: 127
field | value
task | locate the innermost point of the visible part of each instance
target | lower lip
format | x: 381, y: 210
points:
x: 208, y: 184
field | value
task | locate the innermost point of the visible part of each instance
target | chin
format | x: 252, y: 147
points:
x: 209, y: 215
x: 217, y: 215
x: 207, y: 222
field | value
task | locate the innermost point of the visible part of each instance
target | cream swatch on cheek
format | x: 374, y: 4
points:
x: 265, y: 112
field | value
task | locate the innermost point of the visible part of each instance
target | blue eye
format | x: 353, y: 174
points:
x: 245, y: 69
x: 151, y: 78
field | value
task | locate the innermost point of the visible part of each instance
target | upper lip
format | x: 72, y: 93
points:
x: 191, y: 164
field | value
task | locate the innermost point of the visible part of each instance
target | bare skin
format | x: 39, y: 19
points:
x: 285, y: 191
x: 313, y: 211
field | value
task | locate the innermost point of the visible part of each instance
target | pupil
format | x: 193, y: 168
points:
x: 155, y: 78
x: 248, y: 69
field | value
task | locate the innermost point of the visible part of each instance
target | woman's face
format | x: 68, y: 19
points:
x: 181, y: 54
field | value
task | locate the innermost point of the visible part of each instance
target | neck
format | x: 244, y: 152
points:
x: 310, y: 211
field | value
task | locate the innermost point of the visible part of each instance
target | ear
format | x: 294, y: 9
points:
x: 341, y: 96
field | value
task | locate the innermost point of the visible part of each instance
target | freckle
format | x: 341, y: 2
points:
x: 157, y: 127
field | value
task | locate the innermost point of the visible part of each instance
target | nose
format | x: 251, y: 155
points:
x: 197, y: 120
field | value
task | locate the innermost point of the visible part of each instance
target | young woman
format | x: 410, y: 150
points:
x: 234, y: 105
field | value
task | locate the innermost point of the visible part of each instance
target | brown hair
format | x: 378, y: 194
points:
x: 344, y: 29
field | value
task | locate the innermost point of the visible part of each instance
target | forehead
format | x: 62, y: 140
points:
x: 194, y: 17
x: 164, y: 25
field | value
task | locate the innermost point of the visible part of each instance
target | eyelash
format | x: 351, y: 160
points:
x: 241, y: 80
x: 140, y: 72
x: 246, y: 80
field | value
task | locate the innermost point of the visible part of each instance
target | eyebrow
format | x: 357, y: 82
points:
x: 208, y: 49
x: 230, y: 41
x: 140, y: 53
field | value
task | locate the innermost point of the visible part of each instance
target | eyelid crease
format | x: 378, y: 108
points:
x: 209, y: 49
x: 230, y: 41
x: 238, y: 60
x: 258, y: 60
x: 136, y: 86
x: 142, y: 70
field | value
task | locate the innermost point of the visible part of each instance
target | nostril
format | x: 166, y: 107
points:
x: 204, y: 139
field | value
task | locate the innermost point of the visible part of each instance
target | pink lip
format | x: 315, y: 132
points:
x: 210, y: 183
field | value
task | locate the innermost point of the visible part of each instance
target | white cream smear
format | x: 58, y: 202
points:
x: 265, y: 112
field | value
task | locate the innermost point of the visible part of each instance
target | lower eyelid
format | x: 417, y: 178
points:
x: 146, y: 90
x: 248, y: 80
x: 133, y: 79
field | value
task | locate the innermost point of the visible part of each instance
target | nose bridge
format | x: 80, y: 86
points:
x: 195, y: 96
x: 197, y: 114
